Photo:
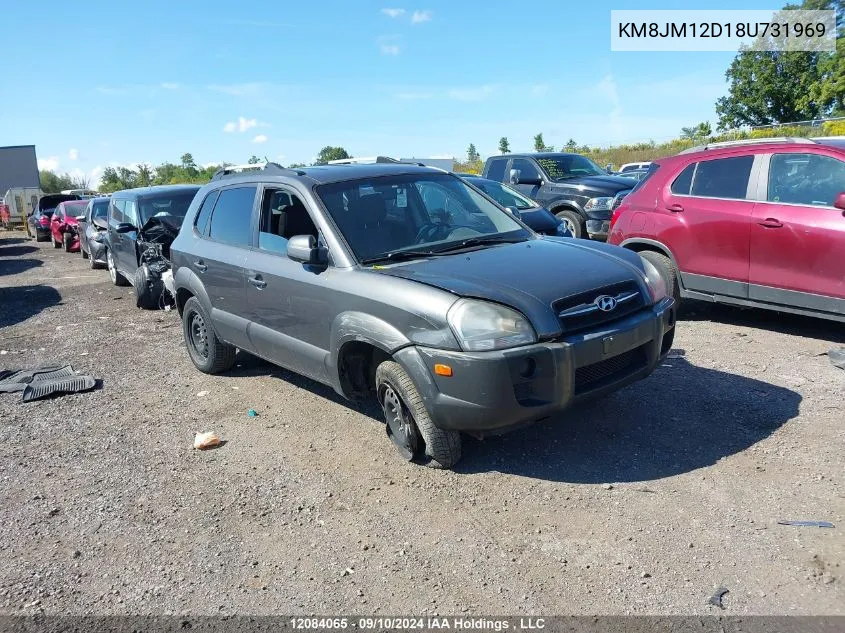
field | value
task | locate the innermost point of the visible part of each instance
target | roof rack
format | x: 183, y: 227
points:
x: 271, y: 167
x: 748, y: 141
x: 372, y: 160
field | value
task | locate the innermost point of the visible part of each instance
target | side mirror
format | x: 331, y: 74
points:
x: 514, y: 212
x: 839, y: 203
x: 124, y: 227
x: 304, y: 249
x: 517, y: 178
x: 514, y: 176
x: 80, y: 218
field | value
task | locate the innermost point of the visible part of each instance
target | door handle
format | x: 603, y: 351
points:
x: 257, y: 281
x: 675, y: 208
x: 771, y: 223
x: 200, y: 266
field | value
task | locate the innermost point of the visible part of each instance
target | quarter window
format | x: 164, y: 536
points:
x: 723, y: 178
x: 232, y: 215
x: 808, y: 179
x: 116, y: 212
x: 682, y: 183
x: 205, y: 211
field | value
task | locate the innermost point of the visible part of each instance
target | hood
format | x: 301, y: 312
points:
x: 161, y: 229
x: 529, y: 276
x: 606, y: 185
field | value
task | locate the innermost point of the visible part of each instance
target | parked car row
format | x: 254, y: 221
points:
x: 431, y: 292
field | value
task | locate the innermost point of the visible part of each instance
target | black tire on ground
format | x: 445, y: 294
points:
x: 442, y: 448
x: 41, y: 238
x: 116, y: 278
x: 83, y: 251
x: 574, y: 221
x: 148, y: 289
x: 669, y: 271
x: 207, y: 352
x: 53, y: 239
x: 67, y: 242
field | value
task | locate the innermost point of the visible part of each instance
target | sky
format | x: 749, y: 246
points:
x: 94, y: 83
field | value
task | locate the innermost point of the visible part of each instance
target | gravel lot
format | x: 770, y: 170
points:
x: 643, y: 503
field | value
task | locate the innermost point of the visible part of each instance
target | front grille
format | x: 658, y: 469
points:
x: 609, y: 370
x: 617, y: 199
x: 579, y: 312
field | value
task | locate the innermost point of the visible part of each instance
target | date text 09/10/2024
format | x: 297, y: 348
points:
x: 414, y: 623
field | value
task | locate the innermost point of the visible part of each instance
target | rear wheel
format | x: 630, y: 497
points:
x: 208, y: 353
x: 573, y: 222
x: 408, y: 424
x: 669, y: 271
x: 116, y: 278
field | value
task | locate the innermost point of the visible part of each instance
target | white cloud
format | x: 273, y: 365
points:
x: 390, y: 49
x: 393, y: 13
x: 241, y: 125
x: 471, y: 94
x: 539, y: 90
x: 73, y: 153
x: 169, y: 85
x: 280, y: 157
x: 111, y: 90
x: 51, y: 163
x: 421, y: 16
x: 261, y: 138
x: 254, y: 89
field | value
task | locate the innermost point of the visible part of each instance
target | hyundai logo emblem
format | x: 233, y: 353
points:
x: 605, y: 303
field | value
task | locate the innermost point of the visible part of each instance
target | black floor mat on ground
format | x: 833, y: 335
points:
x: 11, y: 381
x: 44, y: 381
x: 67, y: 384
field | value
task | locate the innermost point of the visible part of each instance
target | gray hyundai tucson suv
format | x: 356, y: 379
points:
x: 409, y: 284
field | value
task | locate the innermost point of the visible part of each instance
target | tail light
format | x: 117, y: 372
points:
x: 615, y: 215
x: 44, y: 221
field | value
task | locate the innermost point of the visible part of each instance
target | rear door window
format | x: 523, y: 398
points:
x: 205, y: 212
x: 231, y: 219
x: 723, y: 178
x: 496, y: 171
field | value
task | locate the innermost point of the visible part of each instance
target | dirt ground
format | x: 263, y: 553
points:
x: 643, y: 503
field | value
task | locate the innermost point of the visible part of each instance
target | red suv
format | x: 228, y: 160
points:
x: 757, y: 223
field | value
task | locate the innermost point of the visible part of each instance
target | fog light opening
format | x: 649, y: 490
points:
x: 529, y: 366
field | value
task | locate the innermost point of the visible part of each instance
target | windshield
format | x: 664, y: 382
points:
x: 570, y: 166
x: 504, y: 195
x: 75, y: 208
x: 175, y: 204
x: 419, y: 213
x: 100, y: 210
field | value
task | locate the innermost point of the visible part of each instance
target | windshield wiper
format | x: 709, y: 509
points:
x: 397, y: 256
x: 481, y: 241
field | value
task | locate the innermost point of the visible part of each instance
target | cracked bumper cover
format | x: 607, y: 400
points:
x: 492, y: 392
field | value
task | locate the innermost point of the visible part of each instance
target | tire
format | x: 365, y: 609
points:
x: 576, y: 224
x: 66, y: 242
x: 669, y: 271
x: 215, y: 355
x: 116, y: 278
x: 53, y: 239
x: 441, y: 448
x: 147, y: 289
x: 41, y: 238
x: 85, y: 254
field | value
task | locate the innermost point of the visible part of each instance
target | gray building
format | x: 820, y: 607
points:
x: 18, y: 168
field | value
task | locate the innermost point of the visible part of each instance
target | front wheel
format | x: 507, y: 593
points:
x: 408, y: 424
x: 116, y: 278
x: 67, y: 242
x: 208, y: 353
x: 574, y: 222
x: 56, y: 243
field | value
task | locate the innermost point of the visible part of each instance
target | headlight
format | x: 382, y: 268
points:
x: 656, y: 282
x: 482, y: 326
x: 598, y: 204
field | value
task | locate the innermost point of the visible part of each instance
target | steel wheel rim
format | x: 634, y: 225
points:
x: 198, y: 334
x: 570, y: 225
x: 110, y: 263
x: 400, y: 425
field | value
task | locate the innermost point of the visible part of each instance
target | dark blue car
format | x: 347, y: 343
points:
x: 538, y: 218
